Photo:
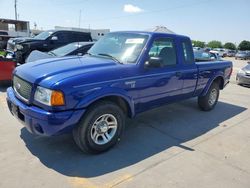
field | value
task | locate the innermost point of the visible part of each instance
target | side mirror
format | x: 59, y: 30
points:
x: 54, y: 38
x: 154, y: 62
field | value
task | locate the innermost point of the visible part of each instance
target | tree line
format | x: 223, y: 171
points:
x: 244, y: 45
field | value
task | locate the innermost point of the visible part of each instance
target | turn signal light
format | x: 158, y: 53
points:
x: 57, y: 98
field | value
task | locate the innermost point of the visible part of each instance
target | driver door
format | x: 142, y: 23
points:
x: 57, y: 40
x: 162, y: 84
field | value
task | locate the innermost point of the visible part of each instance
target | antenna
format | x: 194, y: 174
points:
x: 15, y: 9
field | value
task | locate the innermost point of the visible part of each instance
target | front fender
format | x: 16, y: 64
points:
x: 210, y: 81
x: 106, y: 92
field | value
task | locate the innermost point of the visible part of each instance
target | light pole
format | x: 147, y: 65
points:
x: 15, y: 9
x: 80, y: 16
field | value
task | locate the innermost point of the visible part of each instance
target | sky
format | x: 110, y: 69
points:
x: 205, y: 20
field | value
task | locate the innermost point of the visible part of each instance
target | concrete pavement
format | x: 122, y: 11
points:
x: 173, y: 146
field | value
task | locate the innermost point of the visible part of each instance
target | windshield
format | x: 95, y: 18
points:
x: 124, y: 47
x: 44, y: 35
x: 65, y: 50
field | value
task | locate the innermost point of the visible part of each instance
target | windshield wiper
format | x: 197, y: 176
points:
x: 110, y: 56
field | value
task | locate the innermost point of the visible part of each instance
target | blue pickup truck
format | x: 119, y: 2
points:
x: 123, y: 74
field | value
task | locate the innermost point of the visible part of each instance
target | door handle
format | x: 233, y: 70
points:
x: 178, y: 74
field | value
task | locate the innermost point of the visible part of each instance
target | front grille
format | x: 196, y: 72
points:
x: 22, y: 88
x: 19, y: 57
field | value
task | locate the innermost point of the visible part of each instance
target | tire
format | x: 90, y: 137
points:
x: 93, y: 134
x: 208, y: 102
x: 237, y: 81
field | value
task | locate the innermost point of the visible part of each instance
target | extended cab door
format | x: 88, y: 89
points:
x: 161, y: 84
x: 189, y: 69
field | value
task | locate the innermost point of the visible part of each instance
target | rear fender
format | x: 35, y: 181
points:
x: 211, y: 80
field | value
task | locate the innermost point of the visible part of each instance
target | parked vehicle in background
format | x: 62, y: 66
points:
x: 200, y: 55
x: 44, y: 42
x: 123, y: 74
x: 6, y: 68
x: 75, y: 48
x: 197, y: 48
x: 220, y: 51
x: 242, y: 55
x: 243, y: 76
x: 230, y: 53
x: 207, y: 49
x: 4, y: 37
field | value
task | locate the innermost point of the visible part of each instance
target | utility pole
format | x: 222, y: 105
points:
x: 15, y: 9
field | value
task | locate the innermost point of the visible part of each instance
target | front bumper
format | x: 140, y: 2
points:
x: 243, y: 79
x: 41, y: 122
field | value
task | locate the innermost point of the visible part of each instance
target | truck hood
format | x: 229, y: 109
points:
x: 52, y: 71
x: 22, y: 40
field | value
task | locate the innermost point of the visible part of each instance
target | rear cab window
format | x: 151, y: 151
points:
x: 187, y: 52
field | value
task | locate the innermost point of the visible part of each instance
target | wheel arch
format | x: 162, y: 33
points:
x: 120, y: 98
x: 218, y: 79
x: 119, y: 101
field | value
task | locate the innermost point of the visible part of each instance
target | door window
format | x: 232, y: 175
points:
x: 62, y: 37
x: 164, y: 48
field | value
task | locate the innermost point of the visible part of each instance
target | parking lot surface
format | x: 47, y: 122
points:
x: 173, y: 146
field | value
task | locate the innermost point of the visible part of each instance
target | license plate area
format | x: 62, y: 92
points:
x: 16, y: 112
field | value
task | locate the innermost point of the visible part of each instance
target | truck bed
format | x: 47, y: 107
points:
x: 207, y: 70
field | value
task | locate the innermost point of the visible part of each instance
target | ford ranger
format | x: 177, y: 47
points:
x: 123, y: 74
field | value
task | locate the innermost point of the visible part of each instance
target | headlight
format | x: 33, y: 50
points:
x: 242, y: 72
x: 19, y: 47
x: 49, y: 97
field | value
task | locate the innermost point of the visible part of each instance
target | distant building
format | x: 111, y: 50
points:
x: 95, y: 33
x: 15, y: 28
x: 160, y: 29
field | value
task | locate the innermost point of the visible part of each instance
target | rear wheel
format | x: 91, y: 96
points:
x: 209, y: 101
x: 100, y: 128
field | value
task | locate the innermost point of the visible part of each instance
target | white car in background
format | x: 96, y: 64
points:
x: 222, y: 52
x: 197, y: 48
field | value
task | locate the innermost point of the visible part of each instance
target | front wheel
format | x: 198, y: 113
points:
x: 208, y: 102
x: 100, y: 128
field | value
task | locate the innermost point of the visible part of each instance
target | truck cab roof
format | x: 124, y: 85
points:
x: 153, y: 33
